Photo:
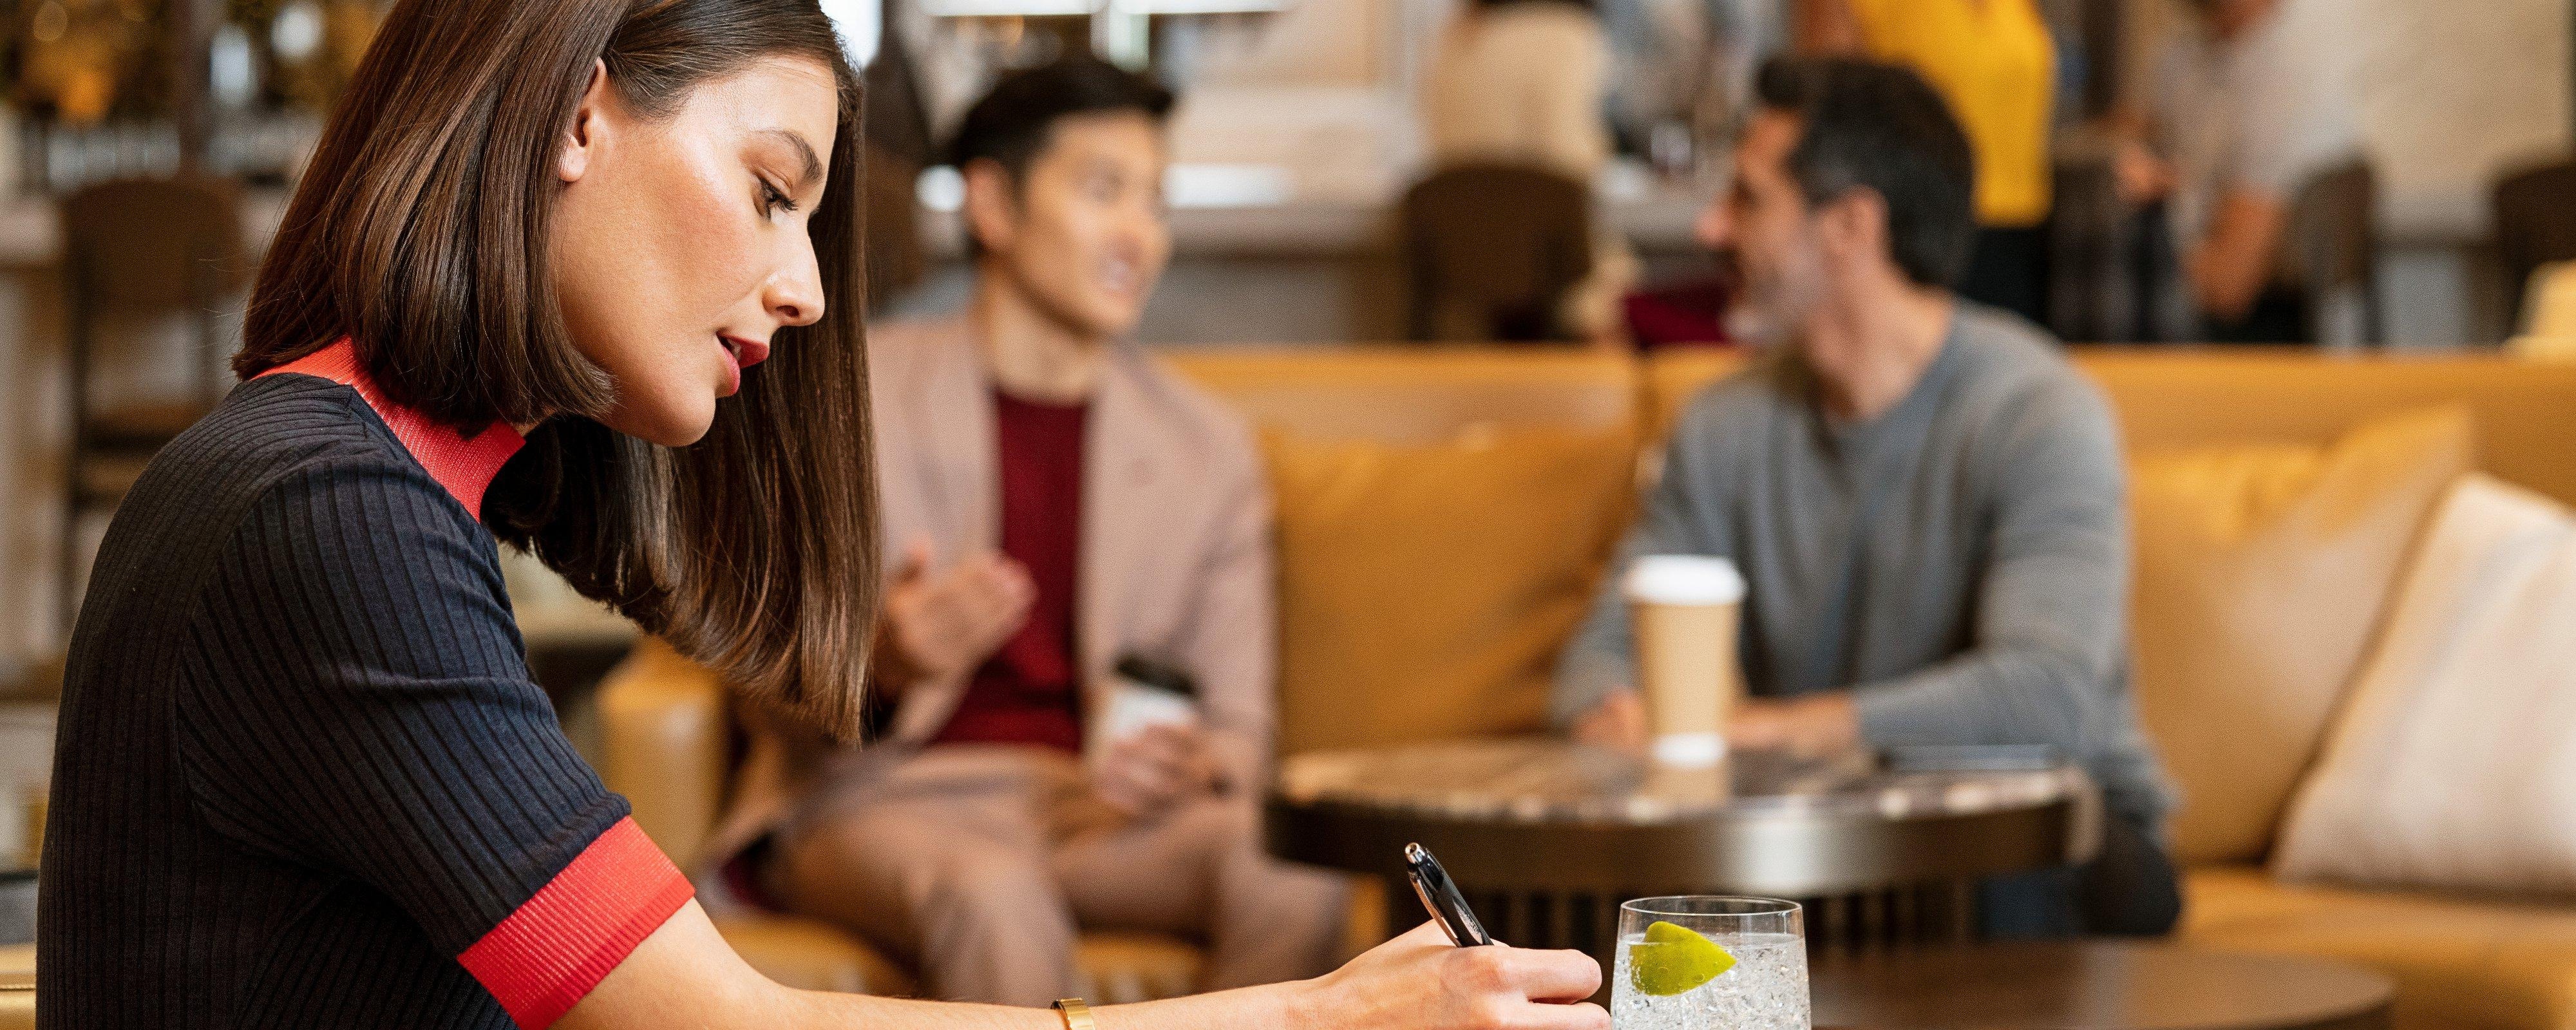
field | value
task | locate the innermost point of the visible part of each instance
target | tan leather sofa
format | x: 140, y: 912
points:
x: 18, y: 987
x: 2460, y: 962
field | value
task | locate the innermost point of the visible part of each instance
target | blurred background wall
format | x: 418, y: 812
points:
x: 1297, y: 133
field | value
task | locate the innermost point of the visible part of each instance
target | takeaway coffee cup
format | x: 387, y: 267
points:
x: 1683, y: 610
x: 1144, y: 693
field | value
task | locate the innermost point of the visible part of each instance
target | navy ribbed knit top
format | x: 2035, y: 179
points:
x: 302, y: 776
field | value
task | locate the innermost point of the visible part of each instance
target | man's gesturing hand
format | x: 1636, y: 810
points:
x: 948, y: 623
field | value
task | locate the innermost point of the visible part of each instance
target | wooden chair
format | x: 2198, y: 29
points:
x: 2113, y: 276
x: 1492, y: 250
x: 2330, y: 247
x: 2535, y: 224
x: 138, y: 249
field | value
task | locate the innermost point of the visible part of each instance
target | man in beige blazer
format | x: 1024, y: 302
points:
x: 1054, y: 501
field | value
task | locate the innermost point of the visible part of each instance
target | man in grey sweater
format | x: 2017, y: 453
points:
x: 1923, y: 495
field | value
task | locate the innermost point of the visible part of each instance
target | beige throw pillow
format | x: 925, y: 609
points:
x: 2454, y: 766
x: 2263, y: 572
x: 1424, y: 590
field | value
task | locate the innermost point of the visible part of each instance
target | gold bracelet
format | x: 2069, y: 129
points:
x: 1076, y: 1013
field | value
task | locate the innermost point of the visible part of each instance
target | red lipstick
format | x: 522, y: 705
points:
x: 746, y: 353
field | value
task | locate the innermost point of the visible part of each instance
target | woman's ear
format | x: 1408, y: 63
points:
x: 582, y: 138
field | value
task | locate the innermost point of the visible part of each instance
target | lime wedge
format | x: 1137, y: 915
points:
x: 1673, y: 960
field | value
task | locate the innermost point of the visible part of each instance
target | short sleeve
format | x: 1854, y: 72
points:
x: 373, y: 718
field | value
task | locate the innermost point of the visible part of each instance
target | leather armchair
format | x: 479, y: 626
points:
x: 18, y: 987
x: 17, y: 1001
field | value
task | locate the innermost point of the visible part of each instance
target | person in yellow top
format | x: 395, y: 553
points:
x: 1996, y: 64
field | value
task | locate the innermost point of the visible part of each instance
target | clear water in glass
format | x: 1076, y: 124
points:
x: 1766, y: 989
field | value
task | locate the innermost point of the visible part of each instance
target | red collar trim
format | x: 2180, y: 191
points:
x: 464, y: 465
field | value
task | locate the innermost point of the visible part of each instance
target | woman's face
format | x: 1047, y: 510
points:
x: 680, y: 243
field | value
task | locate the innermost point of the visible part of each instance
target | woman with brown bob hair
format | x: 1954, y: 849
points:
x: 303, y: 777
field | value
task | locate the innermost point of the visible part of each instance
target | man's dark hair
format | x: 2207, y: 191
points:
x: 1880, y: 127
x: 1013, y: 123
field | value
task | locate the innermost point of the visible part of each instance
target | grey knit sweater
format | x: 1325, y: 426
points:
x: 1961, y: 562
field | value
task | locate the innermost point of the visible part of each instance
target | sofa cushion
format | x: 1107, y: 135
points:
x: 1424, y: 589
x: 664, y: 744
x: 2460, y: 964
x: 2454, y: 764
x: 2262, y: 574
x: 2293, y: 395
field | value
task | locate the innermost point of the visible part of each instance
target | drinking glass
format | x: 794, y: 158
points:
x: 1765, y: 990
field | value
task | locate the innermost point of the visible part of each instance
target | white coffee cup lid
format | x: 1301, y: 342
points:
x: 1685, y: 579
x: 1690, y: 750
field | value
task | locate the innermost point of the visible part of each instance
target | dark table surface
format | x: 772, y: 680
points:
x: 1547, y: 814
x: 2094, y: 985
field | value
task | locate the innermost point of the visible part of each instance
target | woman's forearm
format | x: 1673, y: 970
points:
x: 685, y: 975
x: 1274, y: 1006
x: 800, y: 1010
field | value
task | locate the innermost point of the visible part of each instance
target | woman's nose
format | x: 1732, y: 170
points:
x: 795, y: 294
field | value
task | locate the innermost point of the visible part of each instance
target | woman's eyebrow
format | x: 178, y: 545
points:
x: 811, y: 167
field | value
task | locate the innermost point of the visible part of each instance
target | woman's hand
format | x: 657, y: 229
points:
x: 1421, y: 982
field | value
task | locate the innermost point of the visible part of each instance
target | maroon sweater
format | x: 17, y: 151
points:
x: 1030, y: 691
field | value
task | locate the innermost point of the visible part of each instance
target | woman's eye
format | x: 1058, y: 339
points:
x: 773, y: 201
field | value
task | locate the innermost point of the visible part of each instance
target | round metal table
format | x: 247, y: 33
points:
x: 1548, y: 836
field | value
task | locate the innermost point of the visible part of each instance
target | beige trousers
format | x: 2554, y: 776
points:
x: 979, y: 865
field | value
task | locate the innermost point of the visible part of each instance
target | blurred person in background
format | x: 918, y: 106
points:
x: 1054, y: 500
x: 2240, y: 113
x: 1527, y: 82
x: 1996, y: 64
x: 1923, y: 495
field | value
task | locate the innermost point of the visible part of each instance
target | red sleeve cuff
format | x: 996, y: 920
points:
x: 549, y: 954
